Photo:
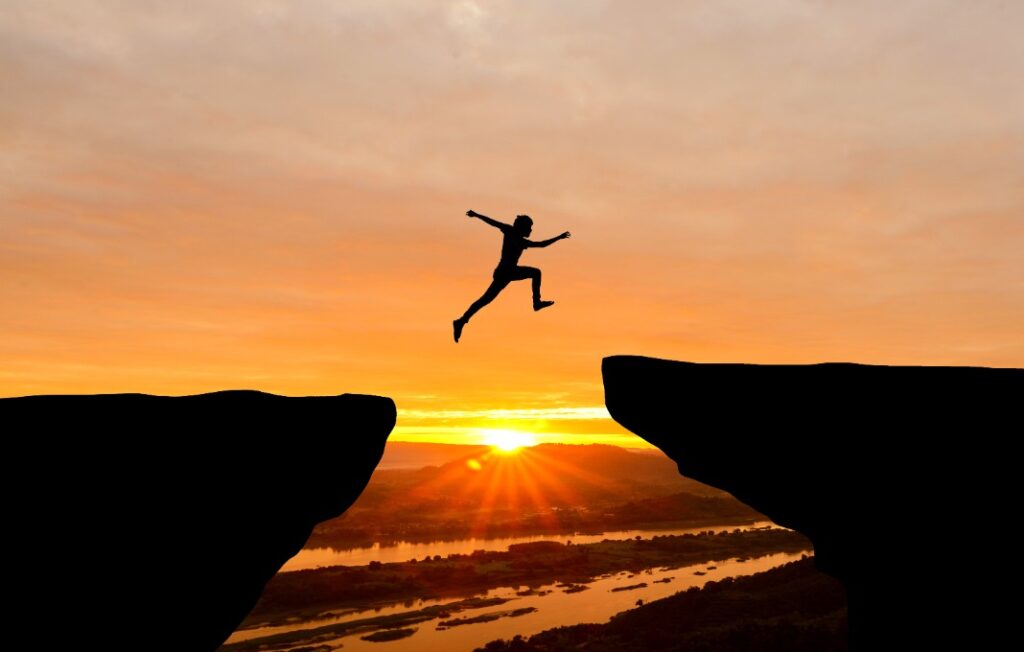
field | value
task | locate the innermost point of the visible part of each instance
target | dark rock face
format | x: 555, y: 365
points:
x: 888, y: 470
x: 151, y: 522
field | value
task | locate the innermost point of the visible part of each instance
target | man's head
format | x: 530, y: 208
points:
x: 523, y: 225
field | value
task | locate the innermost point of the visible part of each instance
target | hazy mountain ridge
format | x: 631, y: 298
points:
x: 545, y: 488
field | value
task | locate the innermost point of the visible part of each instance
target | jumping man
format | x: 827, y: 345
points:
x: 508, y: 268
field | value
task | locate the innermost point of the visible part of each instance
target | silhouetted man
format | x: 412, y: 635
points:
x: 508, y: 268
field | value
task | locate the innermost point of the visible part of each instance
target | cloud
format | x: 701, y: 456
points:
x: 745, y: 181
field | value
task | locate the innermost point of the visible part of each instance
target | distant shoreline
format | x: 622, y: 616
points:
x: 498, y: 534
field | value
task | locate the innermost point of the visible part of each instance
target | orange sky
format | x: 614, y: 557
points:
x: 271, y: 195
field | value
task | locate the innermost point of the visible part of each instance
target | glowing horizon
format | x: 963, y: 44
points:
x: 582, y: 424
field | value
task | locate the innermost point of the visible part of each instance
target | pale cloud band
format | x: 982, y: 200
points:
x: 479, y: 436
x: 591, y: 424
x: 531, y: 414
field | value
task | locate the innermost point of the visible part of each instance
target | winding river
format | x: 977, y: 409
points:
x: 553, y: 606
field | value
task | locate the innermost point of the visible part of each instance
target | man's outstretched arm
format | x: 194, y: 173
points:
x: 495, y: 223
x: 545, y: 243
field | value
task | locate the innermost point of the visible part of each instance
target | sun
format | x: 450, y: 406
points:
x: 508, y: 441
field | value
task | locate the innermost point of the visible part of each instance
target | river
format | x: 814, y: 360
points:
x: 554, y: 607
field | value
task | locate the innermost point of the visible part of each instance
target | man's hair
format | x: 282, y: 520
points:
x: 522, y: 220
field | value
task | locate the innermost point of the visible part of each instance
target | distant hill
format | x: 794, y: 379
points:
x: 569, y: 474
x: 559, y: 475
x: 550, y: 487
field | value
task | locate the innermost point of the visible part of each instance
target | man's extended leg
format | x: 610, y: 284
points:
x: 497, y: 285
x: 533, y: 274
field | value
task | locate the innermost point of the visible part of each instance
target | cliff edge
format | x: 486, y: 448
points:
x: 890, y: 471
x: 146, y: 521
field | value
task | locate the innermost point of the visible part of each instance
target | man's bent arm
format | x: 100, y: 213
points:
x: 549, y: 242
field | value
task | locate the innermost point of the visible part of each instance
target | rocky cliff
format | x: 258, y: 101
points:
x: 902, y: 477
x: 139, y: 521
